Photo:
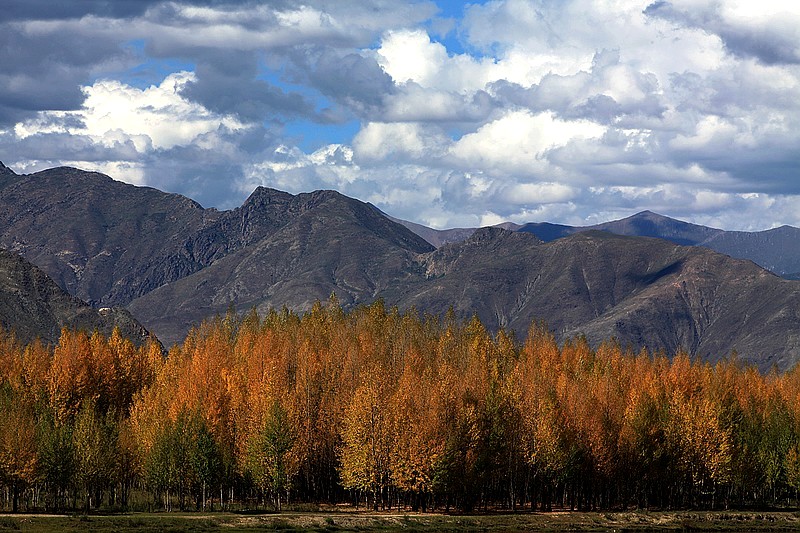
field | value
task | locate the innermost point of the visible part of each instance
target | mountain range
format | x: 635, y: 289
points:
x: 172, y: 263
x: 777, y: 249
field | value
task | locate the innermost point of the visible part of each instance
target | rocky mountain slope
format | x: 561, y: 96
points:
x: 101, y: 240
x: 327, y: 244
x: 174, y: 263
x: 33, y: 306
x: 643, y: 291
x: 108, y: 242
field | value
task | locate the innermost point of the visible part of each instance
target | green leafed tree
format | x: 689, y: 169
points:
x: 95, y: 443
x: 172, y: 465
x: 56, y: 456
x: 207, y: 460
x: 268, y: 454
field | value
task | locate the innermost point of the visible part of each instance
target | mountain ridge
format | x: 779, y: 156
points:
x: 174, y: 263
x: 775, y: 249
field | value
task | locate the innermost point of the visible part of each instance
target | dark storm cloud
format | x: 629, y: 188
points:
x: 50, y: 10
x: 210, y: 176
x: 227, y: 84
x: 54, y: 147
x: 600, y: 108
x: 202, y: 175
x: 44, y: 70
x: 771, y: 168
x: 770, y: 47
x: 356, y: 81
x: 58, y: 10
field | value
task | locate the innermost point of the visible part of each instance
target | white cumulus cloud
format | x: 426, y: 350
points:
x: 573, y: 111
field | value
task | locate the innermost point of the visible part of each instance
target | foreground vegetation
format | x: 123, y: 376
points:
x: 392, y: 522
x: 384, y: 410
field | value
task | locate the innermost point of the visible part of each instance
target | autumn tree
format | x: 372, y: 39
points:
x: 703, y: 445
x: 367, y: 442
x: 417, y: 442
x: 398, y: 407
x: 18, y: 450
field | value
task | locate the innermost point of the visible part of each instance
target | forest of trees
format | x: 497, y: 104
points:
x: 383, y: 409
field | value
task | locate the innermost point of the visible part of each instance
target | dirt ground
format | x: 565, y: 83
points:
x: 394, y: 521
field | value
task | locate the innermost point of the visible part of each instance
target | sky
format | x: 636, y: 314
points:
x: 444, y: 113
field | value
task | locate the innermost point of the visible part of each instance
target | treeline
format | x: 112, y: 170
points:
x: 384, y: 409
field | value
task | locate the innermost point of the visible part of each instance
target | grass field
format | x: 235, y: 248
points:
x: 390, y: 522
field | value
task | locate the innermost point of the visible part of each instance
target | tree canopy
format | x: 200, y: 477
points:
x: 384, y: 409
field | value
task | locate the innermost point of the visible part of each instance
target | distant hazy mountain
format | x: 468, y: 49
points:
x: 174, y: 263
x: 33, y: 306
x: 649, y: 224
x: 440, y: 237
x: 644, y: 224
x: 436, y: 237
x: 777, y: 250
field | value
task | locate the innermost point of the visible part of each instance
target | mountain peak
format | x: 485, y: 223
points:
x: 649, y: 224
x: 314, y: 198
x: 5, y: 171
x: 489, y: 234
x: 266, y: 195
x: 76, y: 175
x: 510, y: 226
x: 651, y: 216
